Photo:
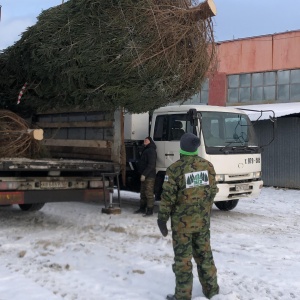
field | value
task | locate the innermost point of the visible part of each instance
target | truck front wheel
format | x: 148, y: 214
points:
x: 31, y: 207
x: 226, y: 205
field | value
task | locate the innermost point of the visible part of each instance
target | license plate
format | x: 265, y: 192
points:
x: 242, y: 187
x: 54, y: 184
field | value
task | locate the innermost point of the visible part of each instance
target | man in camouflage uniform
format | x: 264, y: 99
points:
x: 188, y: 193
x: 146, y: 167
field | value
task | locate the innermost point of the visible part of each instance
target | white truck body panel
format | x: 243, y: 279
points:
x: 136, y: 126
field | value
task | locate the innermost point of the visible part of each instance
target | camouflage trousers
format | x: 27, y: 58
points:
x: 147, y: 193
x: 196, y: 245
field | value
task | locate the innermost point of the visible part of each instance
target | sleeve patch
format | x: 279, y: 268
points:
x: 166, y: 178
x: 196, y: 179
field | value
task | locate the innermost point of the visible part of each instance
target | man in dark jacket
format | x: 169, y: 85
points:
x: 146, y: 167
x: 188, y: 193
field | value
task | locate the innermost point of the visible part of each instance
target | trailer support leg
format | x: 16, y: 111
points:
x: 111, y: 207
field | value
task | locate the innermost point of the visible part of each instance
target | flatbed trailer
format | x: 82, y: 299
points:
x: 31, y: 183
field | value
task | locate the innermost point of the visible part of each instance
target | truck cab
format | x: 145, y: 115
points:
x: 227, y: 139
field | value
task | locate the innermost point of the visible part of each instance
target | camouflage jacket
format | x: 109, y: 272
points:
x: 188, y: 193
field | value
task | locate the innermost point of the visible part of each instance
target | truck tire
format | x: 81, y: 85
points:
x: 226, y: 205
x: 31, y: 207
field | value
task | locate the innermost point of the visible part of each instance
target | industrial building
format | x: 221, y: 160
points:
x: 264, y: 72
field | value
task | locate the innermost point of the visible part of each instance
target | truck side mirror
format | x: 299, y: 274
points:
x: 192, y: 117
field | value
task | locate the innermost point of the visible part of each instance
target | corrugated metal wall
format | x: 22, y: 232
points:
x: 281, y: 159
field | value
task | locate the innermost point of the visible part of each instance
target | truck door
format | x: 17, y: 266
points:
x: 168, y: 130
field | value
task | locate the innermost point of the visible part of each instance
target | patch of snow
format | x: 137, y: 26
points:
x: 71, y: 251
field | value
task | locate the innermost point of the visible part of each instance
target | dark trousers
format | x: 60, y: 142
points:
x: 147, y: 193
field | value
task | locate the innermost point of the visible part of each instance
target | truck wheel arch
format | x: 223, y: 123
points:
x: 31, y: 207
x: 226, y: 205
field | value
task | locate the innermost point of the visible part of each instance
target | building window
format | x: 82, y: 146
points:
x: 257, y: 79
x: 257, y: 92
x: 199, y: 98
x: 245, y: 80
x: 269, y: 78
x: 233, y: 81
x: 269, y: 93
x: 245, y: 94
x: 281, y: 86
x: 295, y: 92
x: 283, y: 92
x: 295, y: 76
x: 283, y: 77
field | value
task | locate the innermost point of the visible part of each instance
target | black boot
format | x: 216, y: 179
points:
x: 171, y: 297
x: 141, y: 210
x: 149, y: 212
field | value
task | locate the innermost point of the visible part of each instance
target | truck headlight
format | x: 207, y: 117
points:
x: 220, y: 178
x: 257, y: 175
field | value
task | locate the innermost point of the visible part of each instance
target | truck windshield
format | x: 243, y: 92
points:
x: 228, y: 132
x: 222, y: 132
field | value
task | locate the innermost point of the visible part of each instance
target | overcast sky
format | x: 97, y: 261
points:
x: 235, y: 18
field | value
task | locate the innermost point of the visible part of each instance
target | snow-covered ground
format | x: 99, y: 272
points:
x: 72, y: 251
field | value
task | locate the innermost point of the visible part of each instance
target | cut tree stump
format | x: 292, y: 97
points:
x: 207, y: 10
x: 37, y: 134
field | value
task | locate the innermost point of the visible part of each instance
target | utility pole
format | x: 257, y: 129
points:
x: 0, y: 11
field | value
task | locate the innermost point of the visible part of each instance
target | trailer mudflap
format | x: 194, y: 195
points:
x: 7, y: 198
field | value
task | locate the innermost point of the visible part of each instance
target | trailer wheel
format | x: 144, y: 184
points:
x: 31, y: 207
x: 226, y: 205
